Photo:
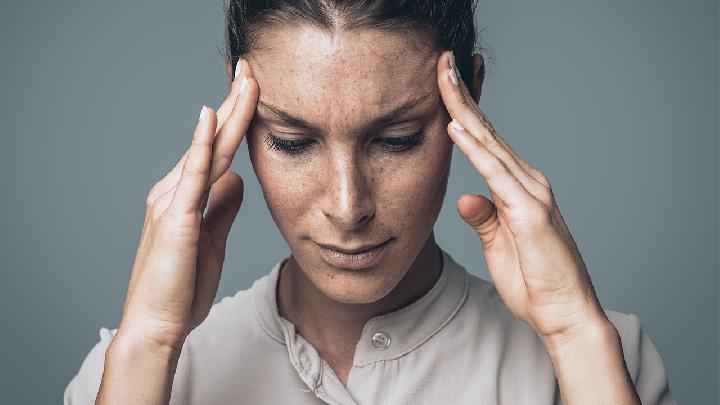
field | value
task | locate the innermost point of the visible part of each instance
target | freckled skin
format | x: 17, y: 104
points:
x: 345, y: 189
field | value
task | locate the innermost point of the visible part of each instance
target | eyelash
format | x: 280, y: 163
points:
x: 297, y: 146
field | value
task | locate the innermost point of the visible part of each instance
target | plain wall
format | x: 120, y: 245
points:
x: 615, y: 101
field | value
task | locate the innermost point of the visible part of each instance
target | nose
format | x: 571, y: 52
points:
x: 348, y: 199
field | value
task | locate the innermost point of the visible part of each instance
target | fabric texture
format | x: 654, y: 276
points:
x: 457, y: 344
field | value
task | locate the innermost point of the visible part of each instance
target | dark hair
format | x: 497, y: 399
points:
x: 444, y: 24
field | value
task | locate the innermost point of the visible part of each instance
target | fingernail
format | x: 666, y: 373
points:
x: 203, y: 113
x: 455, y: 124
x: 453, y: 77
x: 243, y: 84
x: 454, y: 72
x: 238, y: 67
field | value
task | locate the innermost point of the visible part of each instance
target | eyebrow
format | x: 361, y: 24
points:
x: 386, y: 118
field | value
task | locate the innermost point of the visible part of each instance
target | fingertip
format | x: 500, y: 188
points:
x: 238, y: 68
x: 455, y: 129
x: 456, y: 124
x: 238, y: 78
x: 208, y: 116
x: 242, y: 69
x: 247, y: 69
x: 472, y: 203
x: 206, y: 123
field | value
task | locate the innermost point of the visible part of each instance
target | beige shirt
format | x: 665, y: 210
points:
x: 458, y: 344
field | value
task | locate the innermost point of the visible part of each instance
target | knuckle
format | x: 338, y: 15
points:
x: 495, y: 147
x: 223, y: 161
x: 174, y: 225
x: 195, y: 166
x: 493, y: 166
x: 158, y: 206
x: 152, y: 195
x: 546, y: 198
x: 541, y: 178
x: 154, y: 212
x: 539, y: 214
x: 461, y: 100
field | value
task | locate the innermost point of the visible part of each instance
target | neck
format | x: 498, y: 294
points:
x: 333, y: 327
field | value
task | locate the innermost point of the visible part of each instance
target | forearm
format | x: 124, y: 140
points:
x: 137, y: 372
x: 590, y: 366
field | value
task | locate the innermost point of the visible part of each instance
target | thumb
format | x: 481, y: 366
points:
x: 480, y: 213
x: 225, y: 201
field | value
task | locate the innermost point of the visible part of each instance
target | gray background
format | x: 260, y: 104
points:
x: 615, y: 101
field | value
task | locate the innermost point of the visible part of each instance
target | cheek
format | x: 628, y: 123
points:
x: 286, y: 184
x: 415, y: 185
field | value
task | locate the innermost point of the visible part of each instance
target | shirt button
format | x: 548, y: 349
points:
x: 381, y: 340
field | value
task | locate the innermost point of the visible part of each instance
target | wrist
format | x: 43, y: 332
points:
x: 137, y: 370
x: 129, y: 345
x: 595, y: 331
x: 589, y: 364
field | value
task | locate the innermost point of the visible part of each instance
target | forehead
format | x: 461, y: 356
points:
x: 334, y: 80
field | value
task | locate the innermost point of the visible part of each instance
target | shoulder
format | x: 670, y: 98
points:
x: 232, y: 319
x: 83, y: 387
x: 228, y: 315
x: 231, y: 316
x: 643, y: 361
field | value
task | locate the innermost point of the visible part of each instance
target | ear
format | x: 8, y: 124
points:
x: 478, y: 76
x: 229, y: 70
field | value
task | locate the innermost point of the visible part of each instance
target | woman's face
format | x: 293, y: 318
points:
x: 349, y: 178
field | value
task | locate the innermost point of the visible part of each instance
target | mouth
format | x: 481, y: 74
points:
x: 357, y: 258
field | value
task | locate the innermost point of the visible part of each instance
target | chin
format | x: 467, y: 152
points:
x: 357, y: 287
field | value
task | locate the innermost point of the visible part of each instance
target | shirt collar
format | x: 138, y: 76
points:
x: 405, y: 329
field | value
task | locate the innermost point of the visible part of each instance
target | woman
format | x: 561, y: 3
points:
x: 351, y: 111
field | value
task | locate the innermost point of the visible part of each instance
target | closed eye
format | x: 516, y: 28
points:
x: 298, y: 146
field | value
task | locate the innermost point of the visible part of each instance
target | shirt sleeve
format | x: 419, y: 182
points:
x: 83, y: 387
x: 644, y: 362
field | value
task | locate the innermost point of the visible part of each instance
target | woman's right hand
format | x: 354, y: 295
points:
x: 178, y: 263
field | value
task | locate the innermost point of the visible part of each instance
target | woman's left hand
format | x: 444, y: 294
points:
x: 531, y: 256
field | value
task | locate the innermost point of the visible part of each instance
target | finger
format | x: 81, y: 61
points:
x: 193, y: 182
x: 529, y: 170
x: 233, y: 132
x: 462, y: 107
x: 223, y: 112
x: 535, y: 173
x: 227, y: 197
x: 205, y: 199
x: 168, y: 182
x: 162, y: 203
x: 171, y: 179
x: 496, y: 173
x: 152, y: 213
x: 481, y: 214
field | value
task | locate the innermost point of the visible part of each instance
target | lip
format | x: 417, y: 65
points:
x: 357, y: 258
